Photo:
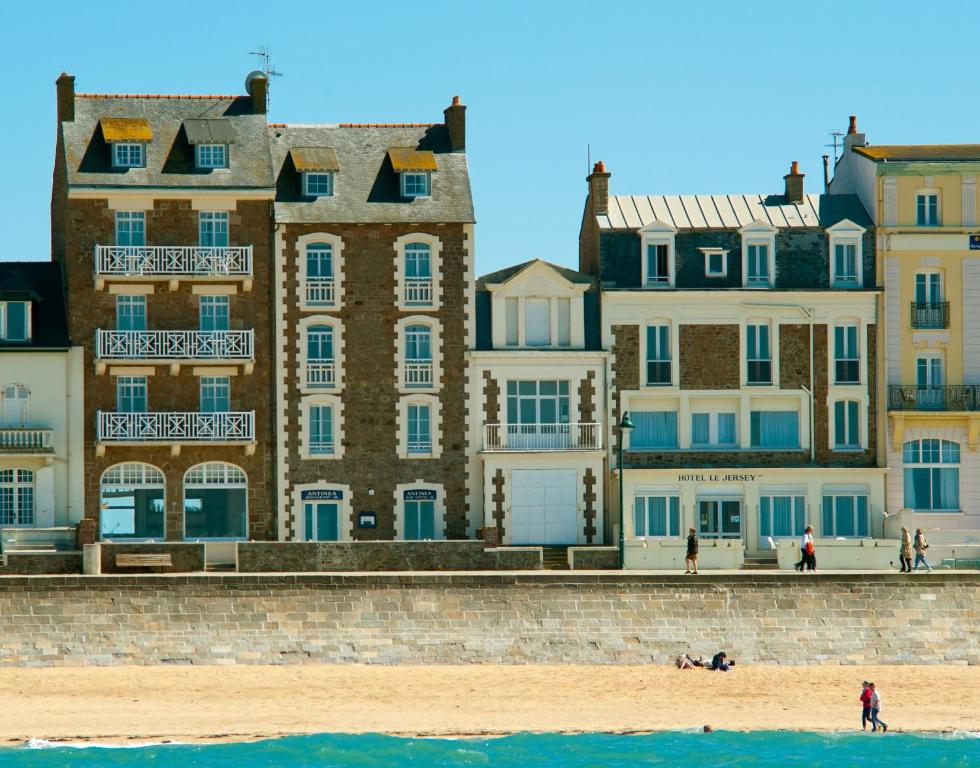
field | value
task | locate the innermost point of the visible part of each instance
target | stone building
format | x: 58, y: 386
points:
x: 161, y: 223
x: 373, y: 261
x: 923, y: 200
x: 742, y: 330
x: 41, y: 468
x: 537, y: 407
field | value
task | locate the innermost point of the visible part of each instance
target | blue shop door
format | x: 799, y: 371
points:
x: 322, y: 522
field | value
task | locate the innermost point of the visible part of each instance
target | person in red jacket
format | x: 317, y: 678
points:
x: 865, y: 704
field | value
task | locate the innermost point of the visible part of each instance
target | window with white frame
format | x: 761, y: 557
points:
x: 215, y: 502
x: 415, y: 184
x: 130, y: 228
x: 320, y: 363
x: 132, y: 502
x: 927, y: 209
x: 15, y: 402
x: 653, y: 430
x: 774, y: 429
x: 15, y: 321
x: 847, y: 425
x: 131, y: 394
x: 929, y: 310
x: 537, y: 322
x: 656, y: 516
x: 214, y: 313
x: 318, y: 184
x: 930, y: 381
x: 418, y: 275
x: 758, y: 353
x: 418, y: 356
x: 215, y: 394
x: 713, y: 430
x: 715, y: 262
x: 845, y: 514
x: 658, y: 356
x: 213, y: 229
x: 320, y: 279
x: 419, y: 509
x: 321, y: 430
x: 847, y: 354
x: 131, y: 313
x: 16, y: 497
x: 781, y: 516
x: 757, y: 272
x: 211, y: 155
x: 127, y: 154
x: 845, y: 263
x: 932, y: 475
x: 658, y: 265
x: 419, y: 426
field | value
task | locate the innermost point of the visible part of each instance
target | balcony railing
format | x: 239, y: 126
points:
x: 542, y: 437
x: 321, y: 373
x: 172, y: 261
x: 174, y: 345
x: 910, y: 397
x: 418, y: 373
x: 25, y: 440
x: 176, y: 427
x: 418, y: 291
x: 319, y: 291
x: 930, y: 314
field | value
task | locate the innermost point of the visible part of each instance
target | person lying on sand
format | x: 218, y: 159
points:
x: 720, y: 662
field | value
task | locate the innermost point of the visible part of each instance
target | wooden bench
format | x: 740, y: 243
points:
x: 144, y: 561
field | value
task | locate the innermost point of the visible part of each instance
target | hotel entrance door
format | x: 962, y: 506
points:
x: 720, y: 518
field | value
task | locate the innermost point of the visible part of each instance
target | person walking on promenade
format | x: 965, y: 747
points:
x: 876, y: 722
x: 691, y: 561
x: 905, y: 553
x: 808, y: 556
x: 865, y: 704
x: 920, y: 545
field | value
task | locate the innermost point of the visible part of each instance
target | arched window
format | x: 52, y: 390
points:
x: 320, y: 367
x: 932, y: 475
x: 132, y: 502
x: 418, y: 275
x: 215, y: 502
x: 14, y: 402
x: 16, y: 497
x: 418, y: 356
x: 319, y: 275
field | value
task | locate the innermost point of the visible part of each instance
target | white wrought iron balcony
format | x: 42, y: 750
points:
x: 175, y: 346
x: 319, y: 292
x: 542, y: 437
x: 418, y: 291
x: 172, y: 262
x: 25, y: 440
x: 418, y: 373
x: 175, y: 428
x: 321, y: 374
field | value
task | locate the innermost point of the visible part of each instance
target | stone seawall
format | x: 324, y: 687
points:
x: 550, y: 617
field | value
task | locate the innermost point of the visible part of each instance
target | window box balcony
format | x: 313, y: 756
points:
x: 956, y: 398
x: 542, y: 437
x: 20, y: 441
x: 321, y: 374
x: 173, y: 263
x: 176, y: 429
x: 930, y: 314
x: 174, y: 347
x: 320, y: 292
x: 418, y: 374
x: 418, y: 291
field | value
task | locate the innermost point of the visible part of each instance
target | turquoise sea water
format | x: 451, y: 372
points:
x: 690, y: 750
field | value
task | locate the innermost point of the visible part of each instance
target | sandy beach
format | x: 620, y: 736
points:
x: 123, y: 704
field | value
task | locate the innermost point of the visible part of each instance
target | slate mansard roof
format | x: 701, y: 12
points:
x: 720, y: 212
x: 170, y: 151
x: 366, y: 186
x: 40, y: 283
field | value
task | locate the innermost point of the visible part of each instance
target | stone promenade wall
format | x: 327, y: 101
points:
x: 551, y: 617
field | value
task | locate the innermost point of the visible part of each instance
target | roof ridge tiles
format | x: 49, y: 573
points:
x: 153, y: 96
x: 390, y: 125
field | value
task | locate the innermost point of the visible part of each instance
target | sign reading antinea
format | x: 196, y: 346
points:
x: 322, y: 494
x: 420, y: 494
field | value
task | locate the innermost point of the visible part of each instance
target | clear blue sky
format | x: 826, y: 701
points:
x: 690, y: 96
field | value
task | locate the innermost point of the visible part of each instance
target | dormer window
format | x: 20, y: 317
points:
x: 715, y: 262
x: 15, y: 323
x: 415, y: 168
x: 318, y: 184
x: 128, y: 137
x: 415, y: 185
x: 758, y: 255
x: 128, y: 155
x: 846, y: 257
x: 211, y: 155
x: 657, y: 242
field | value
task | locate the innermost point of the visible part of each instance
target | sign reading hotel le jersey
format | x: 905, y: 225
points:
x: 321, y: 494
x: 719, y: 478
x: 420, y: 494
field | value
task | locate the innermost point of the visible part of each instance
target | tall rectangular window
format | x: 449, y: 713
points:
x: 130, y: 228
x: 420, y: 520
x: 758, y: 355
x: 215, y: 394
x: 656, y: 516
x: 847, y: 426
x: 658, y: 264
x: 932, y: 475
x: 845, y: 264
x: 564, y: 322
x: 214, y: 313
x: 131, y: 313
x: 847, y: 358
x: 419, y: 429
x: 927, y: 209
x: 213, y: 229
x: 712, y: 430
x: 775, y: 429
x: 537, y: 322
x: 15, y: 321
x: 131, y: 394
x: 658, y: 355
x: 653, y: 430
x: 510, y: 322
x: 845, y: 515
x: 757, y: 264
x: 781, y: 516
x: 321, y: 430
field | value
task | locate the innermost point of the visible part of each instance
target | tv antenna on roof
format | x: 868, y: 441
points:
x: 268, y: 69
x: 836, y: 142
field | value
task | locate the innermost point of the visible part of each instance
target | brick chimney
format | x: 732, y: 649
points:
x: 599, y: 189
x: 853, y: 138
x: 66, y: 97
x: 794, y: 184
x: 456, y: 125
x: 257, y: 85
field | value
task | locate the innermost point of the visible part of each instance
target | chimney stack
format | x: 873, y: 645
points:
x: 456, y: 125
x: 853, y: 138
x: 257, y: 85
x: 853, y: 125
x: 599, y: 189
x: 826, y: 174
x: 794, y: 184
x: 66, y: 97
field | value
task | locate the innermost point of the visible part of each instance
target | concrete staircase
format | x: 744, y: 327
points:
x: 760, y: 563
x: 555, y: 558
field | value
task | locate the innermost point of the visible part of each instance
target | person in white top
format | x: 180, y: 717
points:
x: 808, y: 558
x: 876, y: 722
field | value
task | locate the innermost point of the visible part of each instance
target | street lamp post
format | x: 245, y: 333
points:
x: 625, y: 425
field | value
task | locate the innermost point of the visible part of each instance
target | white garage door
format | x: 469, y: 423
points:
x: 544, y: 509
